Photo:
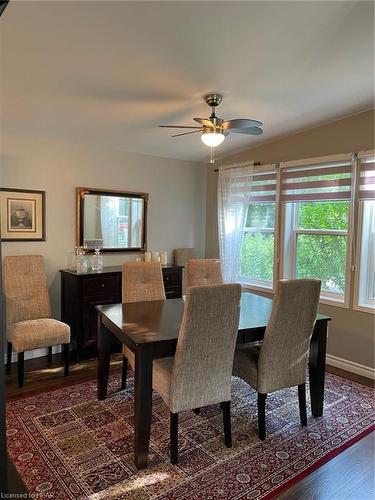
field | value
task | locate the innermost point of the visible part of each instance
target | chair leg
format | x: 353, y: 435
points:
x: 21, y: 358
x: 65, y: 350
x: 197, y: 411
x: 49, y: 354
x: 9, y: 358
x: 302, y: 404
x: 262, y: 415
x: 124, y: 372
x: 174, y: 437
x: 225, y: 406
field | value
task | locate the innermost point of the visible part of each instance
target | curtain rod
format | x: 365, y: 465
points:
x: 256, y: 164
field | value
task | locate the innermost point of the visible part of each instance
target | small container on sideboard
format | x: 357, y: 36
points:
x: 80, y: 293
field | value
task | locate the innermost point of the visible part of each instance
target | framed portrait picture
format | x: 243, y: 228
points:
x: 22, y: 215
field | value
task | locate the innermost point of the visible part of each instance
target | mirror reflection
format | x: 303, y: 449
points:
x: 112, y: 221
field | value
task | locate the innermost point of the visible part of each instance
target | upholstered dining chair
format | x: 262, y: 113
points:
x: 181, y: 258
x: 141, y: 282
x: 200, y: 372
x: 28, y: 312
x: 204, y: 272
x: 281, y: 360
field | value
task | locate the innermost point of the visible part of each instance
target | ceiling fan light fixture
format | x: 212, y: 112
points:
x: 212, y: 138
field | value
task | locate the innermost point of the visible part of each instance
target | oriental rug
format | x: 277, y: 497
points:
x: 67, y: 445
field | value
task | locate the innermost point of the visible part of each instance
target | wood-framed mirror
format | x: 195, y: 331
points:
x: 114, y: 221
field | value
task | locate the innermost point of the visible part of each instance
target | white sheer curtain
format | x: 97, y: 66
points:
x: 234, y: 186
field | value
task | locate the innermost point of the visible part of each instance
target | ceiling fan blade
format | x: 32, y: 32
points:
x: 248, y: 131
x: 204, y: 121
x: 241, y: 123
x: 176, y: 126
x: 187, y: 133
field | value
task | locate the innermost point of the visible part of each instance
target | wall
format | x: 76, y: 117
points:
x: 176, y: 210
x: 351, y: 334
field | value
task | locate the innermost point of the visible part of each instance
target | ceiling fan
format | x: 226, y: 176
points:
x: 214, y: 129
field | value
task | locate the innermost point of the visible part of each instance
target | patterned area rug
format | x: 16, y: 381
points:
x: 65, y: 444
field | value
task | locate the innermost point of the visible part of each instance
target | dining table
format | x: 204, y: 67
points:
x: 150, y: 330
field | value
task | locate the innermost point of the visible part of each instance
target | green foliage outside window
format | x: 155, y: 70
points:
x: 319, y: 256
x: 257, y: 256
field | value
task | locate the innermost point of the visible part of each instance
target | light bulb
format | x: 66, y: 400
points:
x: 212, y: 139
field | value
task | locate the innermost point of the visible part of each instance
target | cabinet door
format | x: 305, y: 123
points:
x: 89, y: 318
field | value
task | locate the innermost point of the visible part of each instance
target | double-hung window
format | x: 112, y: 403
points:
x: 365, y: 261
x: 316, y: 199
x: 258, y: 244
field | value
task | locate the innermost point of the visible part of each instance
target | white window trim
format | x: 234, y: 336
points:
x: 288, y: 252
x: 356, y: 305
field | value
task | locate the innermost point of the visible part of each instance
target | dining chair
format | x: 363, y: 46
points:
x: 28, y: 313
x: 204, y: 272
x: 199, y: 374
x: 141, y: 282
x: 181, y: 258
x: 281, y: 360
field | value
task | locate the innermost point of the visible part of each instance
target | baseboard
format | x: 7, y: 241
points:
x: 350, y: 366
x: 36, y: 353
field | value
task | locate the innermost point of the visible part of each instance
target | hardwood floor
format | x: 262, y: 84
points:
x: 349, y: 476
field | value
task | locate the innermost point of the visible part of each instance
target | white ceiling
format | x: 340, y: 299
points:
x: 110, y: 72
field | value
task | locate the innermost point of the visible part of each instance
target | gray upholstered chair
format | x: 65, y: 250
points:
x: 28, y: 312
x: 281, y: 360
x: 181, y: 258
x: 182, y: 255
x: 202, y: 272
x: 141, y: 282
x: 200, y: 372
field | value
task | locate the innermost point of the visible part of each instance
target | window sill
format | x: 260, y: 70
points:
x: 364, y: 309
x: 249, y: 286
x: 333, y: 302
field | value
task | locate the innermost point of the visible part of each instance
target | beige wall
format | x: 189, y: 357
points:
x: 176, y: 215
x: 351, y: 334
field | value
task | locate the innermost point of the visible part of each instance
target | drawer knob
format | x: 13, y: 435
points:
x: 102, y: 285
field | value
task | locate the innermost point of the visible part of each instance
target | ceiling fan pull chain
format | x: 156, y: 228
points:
x: 212, y: 159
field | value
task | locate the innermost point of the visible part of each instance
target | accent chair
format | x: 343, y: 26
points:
x: 202, y: 272
x: 28, y: 312
x: 199, y: 374
x: 281, y: 360
x: 141, y: 282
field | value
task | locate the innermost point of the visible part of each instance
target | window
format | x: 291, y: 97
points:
x: 319, y: 246
x: 365, y: 296
x: 316, y: 208
x: 366, y: 289
x: 257, y: 255
x: 258, y: 244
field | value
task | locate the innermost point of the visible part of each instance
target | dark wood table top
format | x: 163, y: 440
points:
x: 158, y: 321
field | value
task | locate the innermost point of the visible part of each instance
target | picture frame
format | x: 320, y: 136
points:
x: 22, y: 214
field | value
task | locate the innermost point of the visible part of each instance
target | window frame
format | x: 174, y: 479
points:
x: 254, y: 283
x: 370, y: 268
x: 289, y: 259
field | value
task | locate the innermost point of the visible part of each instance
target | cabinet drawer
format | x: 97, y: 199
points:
x: 101, y: 285
x: 172, y: 278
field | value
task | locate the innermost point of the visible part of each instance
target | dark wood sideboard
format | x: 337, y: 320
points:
x: 80, y: 293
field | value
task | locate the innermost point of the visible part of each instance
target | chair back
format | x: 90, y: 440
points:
x: 141, y: 282
x: 202, y: 272
x: 25, y: 288
x: 283, y: 354
x: 182, y: 255
x: 203, y: 363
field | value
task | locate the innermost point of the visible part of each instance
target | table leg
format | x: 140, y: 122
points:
x: 317, y: 363
x: 104, y: 358
x: 143, y: 404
